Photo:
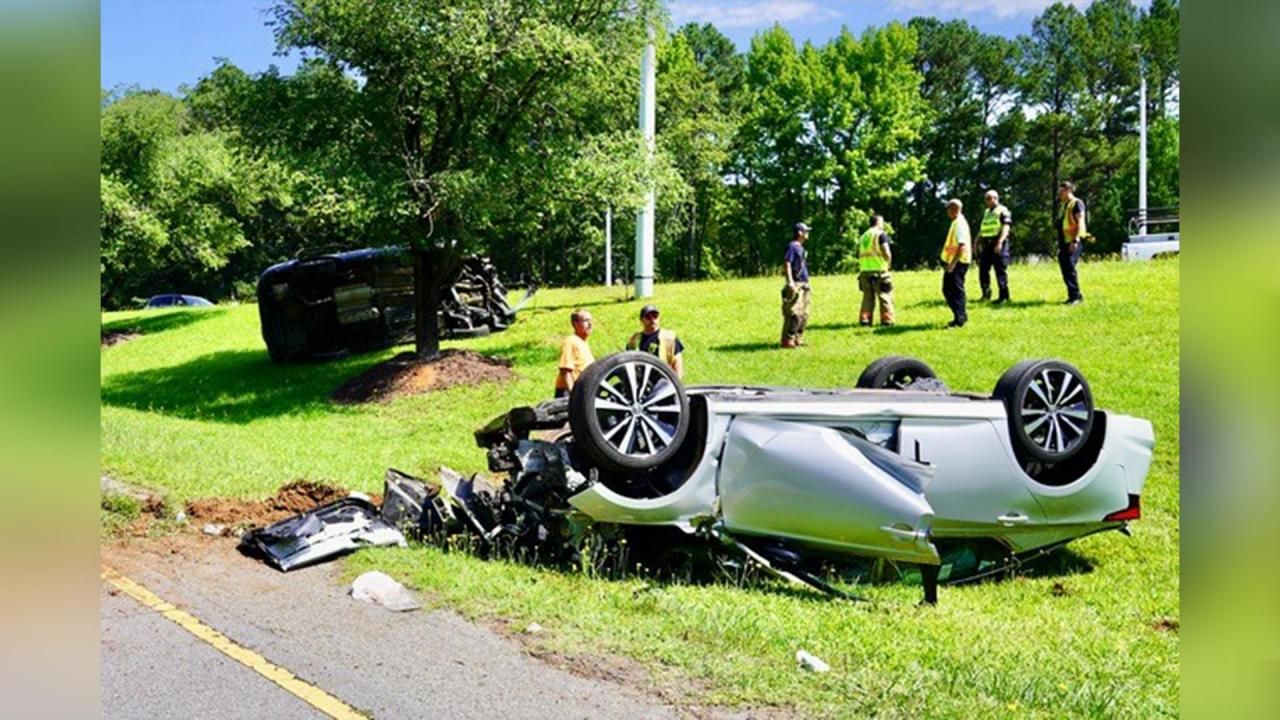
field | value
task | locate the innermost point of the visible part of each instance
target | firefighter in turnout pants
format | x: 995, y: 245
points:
x: 874, y: 258
x: 993, y: 244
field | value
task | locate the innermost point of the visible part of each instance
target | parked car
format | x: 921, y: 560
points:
x: 174, y: 300
x: 360, y: 300
x: 900, y: 467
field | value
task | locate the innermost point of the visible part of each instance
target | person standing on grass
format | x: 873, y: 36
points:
x: 956, y: 256
x: 1071, y: 230
x: 874, y: 258
x: 795, y: 294
x: 993, y: 247
x: 652, y: 339
x: 575, y: 353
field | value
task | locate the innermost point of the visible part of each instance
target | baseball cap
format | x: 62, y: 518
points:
x: 801, y: 227
x: 647, y: 310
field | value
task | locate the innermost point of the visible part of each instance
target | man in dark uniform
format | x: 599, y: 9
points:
x: 993, y: 241
x: 1071, y: 231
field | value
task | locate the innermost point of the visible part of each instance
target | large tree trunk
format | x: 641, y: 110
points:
x: 433, y: 272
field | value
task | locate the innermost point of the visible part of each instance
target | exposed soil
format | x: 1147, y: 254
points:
x: 295, y: 498
x: 115, y: 337
x: 404, y: 374
x: 1167, y: 624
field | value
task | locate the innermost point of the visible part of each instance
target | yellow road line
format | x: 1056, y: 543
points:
x: 312, y: 695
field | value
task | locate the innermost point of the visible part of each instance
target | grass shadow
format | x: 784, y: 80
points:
x: 898, y: 329
x: 152, y: 324
x: 534, y: 309
x: 234, y: 386
x: 744, y: 347
x: 1013, y: 304
x: 832, y: 326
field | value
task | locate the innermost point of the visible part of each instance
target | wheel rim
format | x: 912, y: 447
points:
x: 900, y: 379
x: 1055, y: 410
x: 638, y: 409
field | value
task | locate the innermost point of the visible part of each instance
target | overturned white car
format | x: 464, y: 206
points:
x: 893, y: 469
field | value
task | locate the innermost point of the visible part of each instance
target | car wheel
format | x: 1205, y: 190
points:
x: 629, y: 412
x: 894, y: 372
x: 1050, y: 408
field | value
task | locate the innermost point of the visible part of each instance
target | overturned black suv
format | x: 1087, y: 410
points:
x: 329, y: 305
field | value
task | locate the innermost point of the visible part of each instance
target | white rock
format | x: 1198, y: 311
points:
x: 811, y: 662
x: 380, y: 589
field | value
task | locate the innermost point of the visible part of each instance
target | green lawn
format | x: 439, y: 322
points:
x: 194, y: 408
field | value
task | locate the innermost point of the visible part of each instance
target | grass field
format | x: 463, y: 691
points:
x: 194, y: 408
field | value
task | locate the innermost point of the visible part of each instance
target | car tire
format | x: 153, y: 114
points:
x: 894, y: 372
x: 629, y: 412
x: 1050, y: 409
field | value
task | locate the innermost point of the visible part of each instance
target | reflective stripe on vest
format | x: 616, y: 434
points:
x: 666, y: 345
x: 952, y: 247
x: 991, y: 221
x: 870, y: 252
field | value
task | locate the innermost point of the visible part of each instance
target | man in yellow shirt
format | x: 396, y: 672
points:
x: 956, y: 255
x: 575, y: 353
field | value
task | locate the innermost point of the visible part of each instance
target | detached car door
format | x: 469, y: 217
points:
x: 826, y: 488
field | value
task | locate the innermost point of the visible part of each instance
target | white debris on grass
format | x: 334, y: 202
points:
x: 213, y: 529
x: 380, y: 589
x: 811, y: 662
x: 533, y: 628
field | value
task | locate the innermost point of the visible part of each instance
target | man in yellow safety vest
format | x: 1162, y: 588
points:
x: 874, y: 258
x: 1071, y: 230
x: 656, y: 341
x: 993, y: 246
x: 956, y: 256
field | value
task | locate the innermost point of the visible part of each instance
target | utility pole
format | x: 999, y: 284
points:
x: 1142, y: 144
x: 608, y: 246
x: 644, y: 218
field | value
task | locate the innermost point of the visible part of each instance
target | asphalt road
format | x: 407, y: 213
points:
x: 384, y: 664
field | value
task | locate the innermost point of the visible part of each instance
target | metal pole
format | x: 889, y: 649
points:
x: 644, y: 218
x: 608, y: 246
x: 1142, y: 149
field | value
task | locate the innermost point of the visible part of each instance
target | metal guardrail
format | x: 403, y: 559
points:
x: 1164, y: 218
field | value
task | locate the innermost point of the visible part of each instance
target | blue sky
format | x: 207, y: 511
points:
x: 167, y: 43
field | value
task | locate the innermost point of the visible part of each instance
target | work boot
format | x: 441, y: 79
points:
x: 1004, y: 298
x: 789, y: 343
x: 986, y: 294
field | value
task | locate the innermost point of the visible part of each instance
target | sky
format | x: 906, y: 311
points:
x: 164, y: 44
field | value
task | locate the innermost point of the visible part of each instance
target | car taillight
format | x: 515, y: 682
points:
x: 1132, y: 512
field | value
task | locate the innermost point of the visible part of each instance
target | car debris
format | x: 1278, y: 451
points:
x: 321, y: 534
x: 379, y: 588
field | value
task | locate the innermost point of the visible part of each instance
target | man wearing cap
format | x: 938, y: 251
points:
x: 654, y: 340
x: 993, y: 241
x: 575, y: 353
x: 795, y: 294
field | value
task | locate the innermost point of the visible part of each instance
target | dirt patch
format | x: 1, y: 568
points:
x: 1166, y: 624
x: 115, y: 337
x: 404, y: 374
x: 295, y: 498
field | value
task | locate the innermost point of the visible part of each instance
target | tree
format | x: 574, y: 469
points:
x: 174, y: 198
x: 471, y: 94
